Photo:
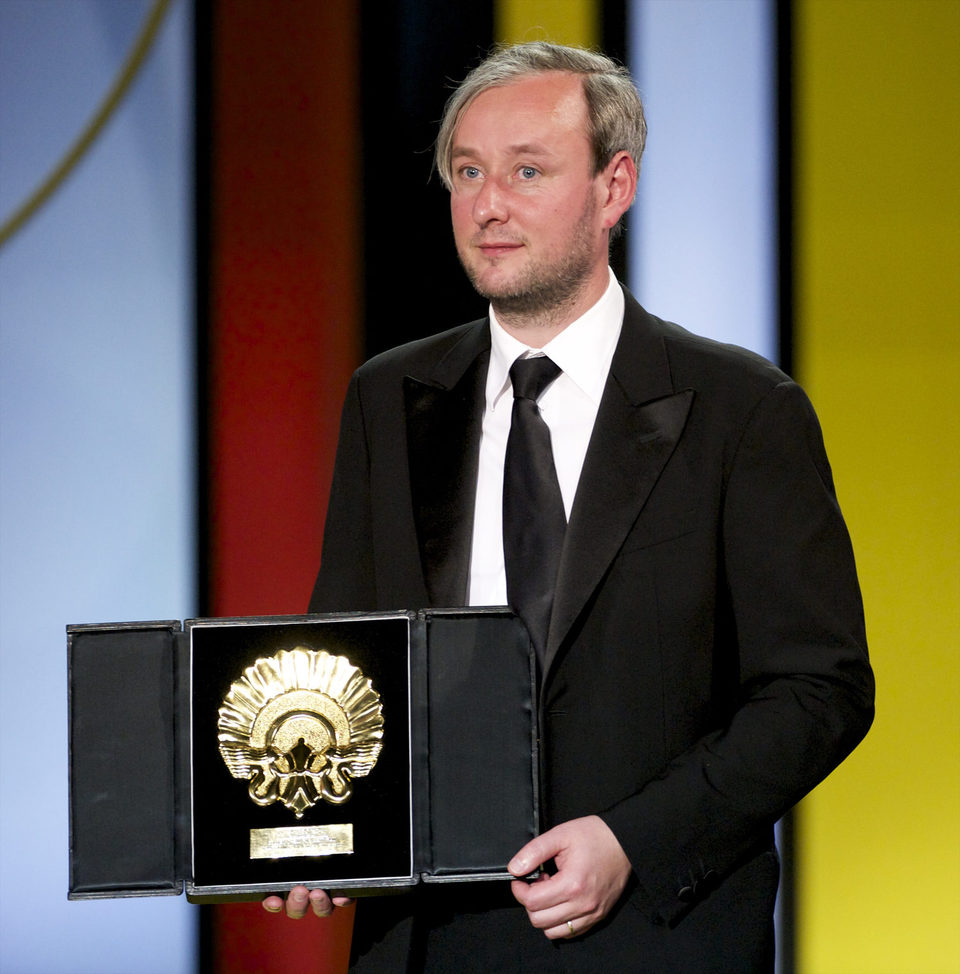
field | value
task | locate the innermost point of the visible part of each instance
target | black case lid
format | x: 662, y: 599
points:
x: 123, y: 788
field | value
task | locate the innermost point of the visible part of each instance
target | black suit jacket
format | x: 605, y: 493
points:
x: 706, y: 661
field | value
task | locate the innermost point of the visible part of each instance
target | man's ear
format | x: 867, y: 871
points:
x: 619, y: 181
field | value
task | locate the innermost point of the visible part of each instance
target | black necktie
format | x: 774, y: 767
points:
x: 533, y: 518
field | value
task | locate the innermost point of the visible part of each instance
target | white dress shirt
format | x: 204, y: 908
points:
x: 583, y: 350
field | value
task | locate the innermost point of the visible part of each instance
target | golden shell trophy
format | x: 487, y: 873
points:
x: 300, y: 726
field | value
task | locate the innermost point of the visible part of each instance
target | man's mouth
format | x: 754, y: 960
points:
x: 498, y: 248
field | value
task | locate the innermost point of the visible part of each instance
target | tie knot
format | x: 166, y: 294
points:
x: 531, y: 376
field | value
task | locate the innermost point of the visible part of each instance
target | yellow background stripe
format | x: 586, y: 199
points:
x: 562, y: 21
x: 878, y: 348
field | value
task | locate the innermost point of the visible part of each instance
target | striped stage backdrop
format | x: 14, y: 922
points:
x: 757, y: 218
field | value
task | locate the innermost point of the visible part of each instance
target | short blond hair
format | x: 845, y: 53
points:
x: 614, y: 108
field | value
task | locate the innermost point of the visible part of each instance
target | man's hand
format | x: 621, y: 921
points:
x: 592, y: 870
x: 299, y: 899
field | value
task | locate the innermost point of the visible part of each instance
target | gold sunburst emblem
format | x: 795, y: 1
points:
x: 300, y: 725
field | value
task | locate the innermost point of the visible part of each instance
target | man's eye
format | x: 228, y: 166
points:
x: 469, y: 172
x: 528, y: 172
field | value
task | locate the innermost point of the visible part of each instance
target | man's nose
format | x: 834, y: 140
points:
x: 490, y: 204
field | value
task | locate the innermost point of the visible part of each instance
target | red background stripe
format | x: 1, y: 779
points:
x: 283, y: 292
x: 283, y: 322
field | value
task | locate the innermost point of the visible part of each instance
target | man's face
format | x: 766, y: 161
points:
x: 525, y: 203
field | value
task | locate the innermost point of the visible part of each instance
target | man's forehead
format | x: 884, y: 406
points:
x: 526, y: 104
x: 531, y: 148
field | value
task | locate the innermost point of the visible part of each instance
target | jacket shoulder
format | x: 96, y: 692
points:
x: 419, y: 358
x: 722, y: 372
x: 693, y: 356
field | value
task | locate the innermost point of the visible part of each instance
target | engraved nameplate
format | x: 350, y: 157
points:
x: 302, y: 840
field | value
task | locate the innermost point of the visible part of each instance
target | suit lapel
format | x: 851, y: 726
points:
x: 638, y: 425
x: 444, y: 409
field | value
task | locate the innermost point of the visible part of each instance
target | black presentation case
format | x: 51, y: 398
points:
x: 154, y: 807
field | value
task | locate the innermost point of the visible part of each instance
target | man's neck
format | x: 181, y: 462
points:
x: 536, y: 328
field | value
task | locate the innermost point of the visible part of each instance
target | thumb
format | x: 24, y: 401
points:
x: 535, y: 853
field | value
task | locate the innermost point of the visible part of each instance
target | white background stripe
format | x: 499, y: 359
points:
x: 96, y: 468
x: 703, y: 229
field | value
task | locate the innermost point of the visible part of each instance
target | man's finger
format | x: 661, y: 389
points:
x: 298, y: 899
x: 551, y: 918
x: 567, y: 930
x: 320, y: 902
x: 538, y: 895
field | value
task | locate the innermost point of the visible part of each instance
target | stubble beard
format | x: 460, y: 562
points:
x: 545, y: 288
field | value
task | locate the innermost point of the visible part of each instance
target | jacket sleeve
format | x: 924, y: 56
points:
x: 346, y: 578
x: 805, y: 685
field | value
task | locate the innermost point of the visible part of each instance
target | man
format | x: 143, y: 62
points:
x: 702, y: 656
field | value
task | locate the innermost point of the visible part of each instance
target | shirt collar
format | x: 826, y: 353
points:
x: 583, y: 350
